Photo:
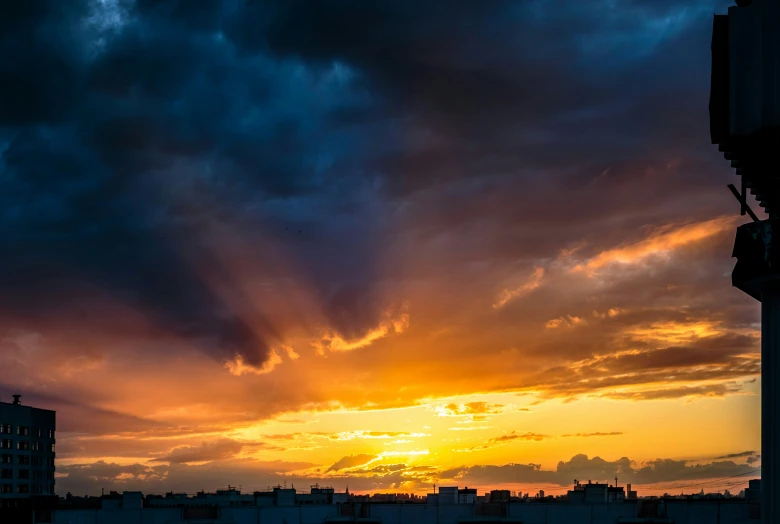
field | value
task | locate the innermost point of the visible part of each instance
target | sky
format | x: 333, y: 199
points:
x: 382, y: 245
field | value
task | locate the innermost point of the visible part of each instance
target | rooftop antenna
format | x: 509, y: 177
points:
x: 616, y: 481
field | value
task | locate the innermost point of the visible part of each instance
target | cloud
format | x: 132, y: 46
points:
x: 660, y: 242
x: 237, y: 366
x: 710, y: 365
x: 470, y: 409
x: 655, y: 474
x: 533, y: 281
x: 335, y: 342
x: 352, y: 461
x: 190, y: 192
x: 736, y: 455
x: 568, y: 321
x: 207, y: 451
x: 503, y: 439
x: 710, y: 390
x: 610, y: 313
x: 595, y: 434
x: 363, y: 434
x: 364, y: 474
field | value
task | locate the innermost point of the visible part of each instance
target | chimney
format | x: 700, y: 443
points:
x: 628, y: 486
x: 17, y: 402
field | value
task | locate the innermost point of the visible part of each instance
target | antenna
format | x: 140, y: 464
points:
x: 742, y: 199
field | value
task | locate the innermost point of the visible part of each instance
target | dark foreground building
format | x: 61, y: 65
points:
x: 26, y: 462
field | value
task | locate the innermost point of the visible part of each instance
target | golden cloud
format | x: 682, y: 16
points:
x: 567, y: 321
x: 503, y: 439
x: 238, y: 366
x: 334, y: 342
x: 662, y: 241
x: 532, y: 282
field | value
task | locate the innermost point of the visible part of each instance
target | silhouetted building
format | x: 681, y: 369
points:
x: 745, y: 123
x: 448, y: 495
x: 595, y: 493
x: 26, y: 450
x: 232, y: 506
x: 500, y: 495
x: 467, y: 495
x: 753, y: 492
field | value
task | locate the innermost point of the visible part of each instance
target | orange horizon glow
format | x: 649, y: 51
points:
x: 410, y: 403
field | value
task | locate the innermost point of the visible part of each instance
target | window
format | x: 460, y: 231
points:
x: 6, y: 459
x: 36, y: 446
x: 6, y: 429
x: 22, y: 488
x: 51, y: 488
x: 51, y: 433
x: 6, y: 443
x: 23, y: 430
x: 37, y: 461
x: 37, y: 432
x: 23, y: 459
x: 6, y: 473
x: 23, y: 473
x: 50, y: 462
x: 37, y: 489
x: 23, y: 445
x: 37, y: 474
x: 52, y: 448
x: 6, y: 488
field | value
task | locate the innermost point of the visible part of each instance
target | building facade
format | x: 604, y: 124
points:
x: 27, y: 440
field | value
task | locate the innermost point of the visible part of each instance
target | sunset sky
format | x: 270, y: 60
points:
x: 382, y: 244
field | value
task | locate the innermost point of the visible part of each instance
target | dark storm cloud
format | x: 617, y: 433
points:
x: 489, y: 103
x: 125, y: 131
x: 129, y: 128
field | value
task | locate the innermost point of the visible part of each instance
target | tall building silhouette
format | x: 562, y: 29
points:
x: 745, y: 123
x: 27, y: 440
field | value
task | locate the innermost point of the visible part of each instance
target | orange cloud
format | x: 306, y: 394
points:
x: 594, y: 434
x: 675, y: 333
x: 352, y: 461
x: 503, y: 439
x: 238, y: 366
x: 531, y: 283
x: 470, y: 408
x: 662, y: 241
x: 568, y: 321
x: 331, y: 341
